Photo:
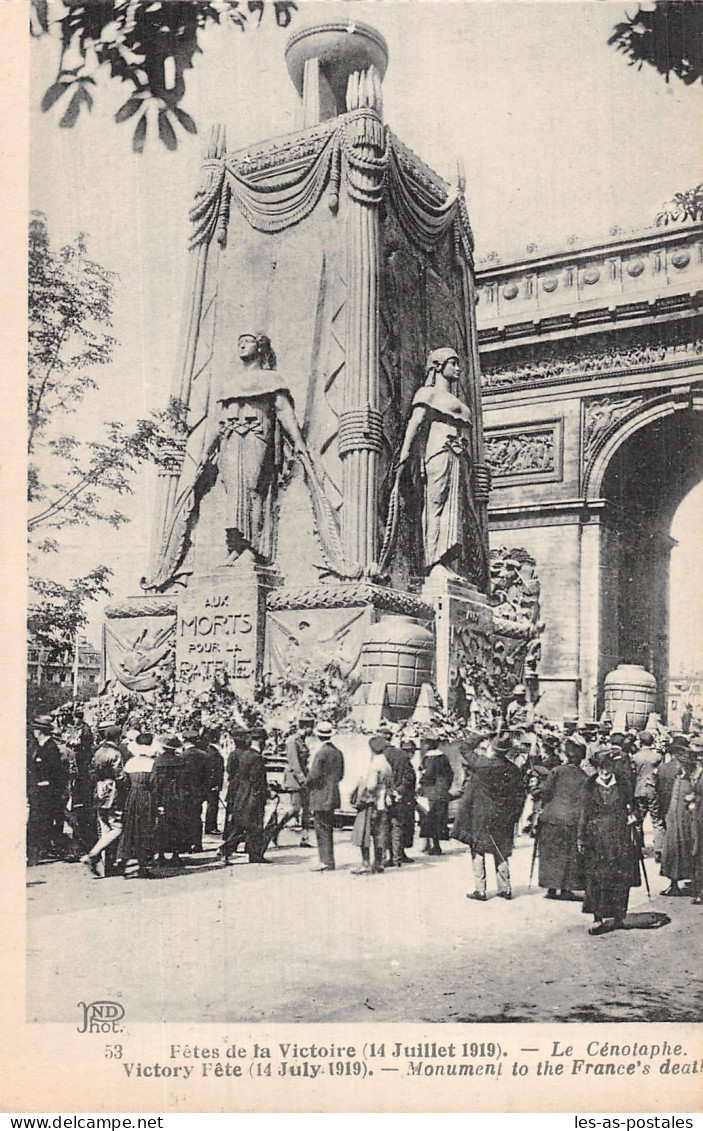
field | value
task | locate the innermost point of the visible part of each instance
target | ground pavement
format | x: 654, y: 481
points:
x: 279, y: 942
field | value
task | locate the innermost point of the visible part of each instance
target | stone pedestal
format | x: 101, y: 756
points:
x: 463, y: 635
x: 221, y: 626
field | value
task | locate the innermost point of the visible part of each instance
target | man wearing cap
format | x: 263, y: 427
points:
x: 44, y: 784
x: 246, y: 797
x: 324, y: 775
x: 488, y: 812
x: 295, y: 777
x: 107, y: 771
x: 645, y: 762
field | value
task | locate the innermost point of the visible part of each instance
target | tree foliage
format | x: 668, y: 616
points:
x: 70, y: 480
x: 57, y: 613
x: 147, y: 44
x: 683, y: 206
x: 668, y: 37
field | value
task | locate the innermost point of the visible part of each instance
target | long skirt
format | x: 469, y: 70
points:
x: 559, y: 863
x: 136, y: 842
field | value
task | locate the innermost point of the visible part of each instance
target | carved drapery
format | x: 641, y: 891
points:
x: 274, y: 189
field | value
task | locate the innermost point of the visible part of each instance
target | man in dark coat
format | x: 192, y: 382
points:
x: 45, y: 778
x: 605, y: 840
x: 488, y: 812
x: 214, y: 779
x: 246, y: 800
x: 324, y: 775
x: 560, y: 866
x: 295, y: 778
x: 82, y: 816
x: 195, y: 781
x: 402, y: 811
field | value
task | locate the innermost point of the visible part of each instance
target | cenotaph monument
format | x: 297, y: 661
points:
x: 329, y: 502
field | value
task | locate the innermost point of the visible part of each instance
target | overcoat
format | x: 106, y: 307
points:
x: 491, y: 805
x: 324, y: 775
x: 610, y: 862
x: 560, y: 865
x: 247, y: 789
x: 677, y: 846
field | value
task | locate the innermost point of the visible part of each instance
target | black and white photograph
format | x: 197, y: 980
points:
x: 364, y: 441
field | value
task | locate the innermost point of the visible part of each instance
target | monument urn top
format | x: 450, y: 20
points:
x: 341, y: 48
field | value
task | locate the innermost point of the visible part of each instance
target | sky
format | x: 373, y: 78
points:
x: 559, y: 138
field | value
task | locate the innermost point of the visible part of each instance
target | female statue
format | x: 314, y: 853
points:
x: 252, y: 402
x: 440, y: 424
x: 243, y: 446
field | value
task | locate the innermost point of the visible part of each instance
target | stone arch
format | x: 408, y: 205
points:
x: 647, y: 412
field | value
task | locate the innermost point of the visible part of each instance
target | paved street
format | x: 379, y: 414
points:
x: 279, y: 942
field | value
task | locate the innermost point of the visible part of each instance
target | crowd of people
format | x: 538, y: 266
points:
x: 123, y: 801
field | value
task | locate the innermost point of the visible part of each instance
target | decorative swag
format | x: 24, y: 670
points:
x: 273, y: 207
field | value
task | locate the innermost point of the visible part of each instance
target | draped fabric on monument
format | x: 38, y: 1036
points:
x: 270, y: 246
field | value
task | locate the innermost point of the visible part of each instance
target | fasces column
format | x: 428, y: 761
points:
x: 360, y: 426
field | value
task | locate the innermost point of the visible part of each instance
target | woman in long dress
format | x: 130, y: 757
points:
x: 605, y: 839
x: 452, y: 539
x: 560, y: 866
x: 137, y: 839
x: 677, y: 846
x: 170, y: 802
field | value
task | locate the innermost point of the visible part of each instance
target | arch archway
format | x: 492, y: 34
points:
x: 642, y: 474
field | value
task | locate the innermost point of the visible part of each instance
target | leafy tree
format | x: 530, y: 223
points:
x: 70, y: 313
x: 668, y: 37
x: 683, y: 206
x: 57, y: 613
x: 147, y: 44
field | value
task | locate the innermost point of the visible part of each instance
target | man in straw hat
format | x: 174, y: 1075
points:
x: 324, y: 775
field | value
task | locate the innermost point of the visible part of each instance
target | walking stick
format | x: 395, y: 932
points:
x: 534, y: 856
x: 640, y: 857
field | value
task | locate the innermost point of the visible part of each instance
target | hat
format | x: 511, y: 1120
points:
x: 678, y: 742
x: 106, y: 723
x: 240, y: 736
x: 144, y: 739
x: 171, y: 742
x: 606, y: 754
x: 617, y: 737
x: 550, y: 739
x: 324, y: 729
x: 43, y: 723
x: 378, y: 743
x: 306, y: 718
x: 502, y: 743
x: 576, y: 743
x: 191, y: 732
x: 519, y: 689
x: 110, y: 734
x: 407, y: 744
